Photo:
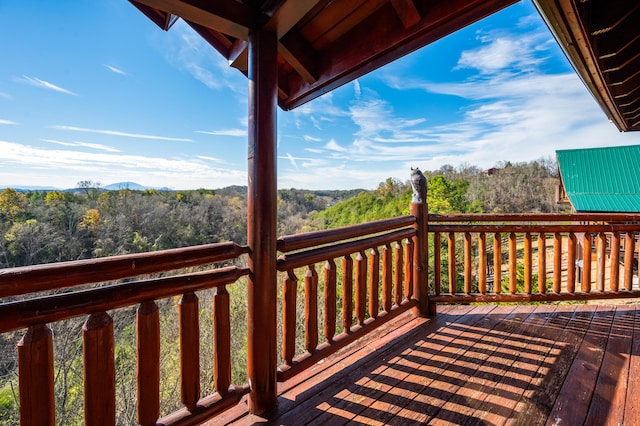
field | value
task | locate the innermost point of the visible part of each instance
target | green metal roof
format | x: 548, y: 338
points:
x: 602, y: 179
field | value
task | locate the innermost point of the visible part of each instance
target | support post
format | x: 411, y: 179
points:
x: 420, y: 253
x: 261, y: 226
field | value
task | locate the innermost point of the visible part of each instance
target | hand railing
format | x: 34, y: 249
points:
x: 519, y: 258
x: 366, y: 278
x: 34, y: 311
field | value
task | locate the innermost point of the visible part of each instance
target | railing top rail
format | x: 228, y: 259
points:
x: 55, y: 276
x: 45, y: 309
x: 536, y: 217
x: 533, y: 228
x: 328, y: 236
x: 315, y: 255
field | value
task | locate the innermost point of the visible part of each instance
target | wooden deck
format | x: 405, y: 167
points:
x: 477, y: 365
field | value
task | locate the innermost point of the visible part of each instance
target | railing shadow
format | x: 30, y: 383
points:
x: 484, y: 367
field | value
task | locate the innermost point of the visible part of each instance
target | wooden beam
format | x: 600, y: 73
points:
x: 361, y: 50
x: 407, y: 12
x: 229, y: 17
x: 261, y: 218
x: 217, y: 40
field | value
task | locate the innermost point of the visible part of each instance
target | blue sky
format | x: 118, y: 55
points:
x: 95, y: 91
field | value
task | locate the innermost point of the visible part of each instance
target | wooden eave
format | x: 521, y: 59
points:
x: 601, y: 39
x: 322, y: 44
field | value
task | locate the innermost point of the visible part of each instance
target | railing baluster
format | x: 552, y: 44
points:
x: 437, y: 266
x: 467, y: 263
x: 542, y: 263
x: 527, y: 263
x: 408, y: 270
x: 311, y: 308
x: 347, y: 293
x: 497, y: 263
x: 452, y: 264
x: 222, y: 342
x: 374, y: 282
x: 289, y: 295
x: 600, y: 263
x: 614, y: 277
x: 189, y: 350
x: 482, y: 263
x: 513, y: 262
x: 361, y: 287
x: 387, y: 283
x: 571, y: 263
x: 329, y: 300
x: 148, y: 358
x: 557, y: 262
x: 397, y: 271
x: 629, y: 257
x: 586, y: 263
x: 99, y: 370
x: 35, y: 376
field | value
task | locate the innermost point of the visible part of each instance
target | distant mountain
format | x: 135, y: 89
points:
x: 27, y: 188
x: 130, y: 185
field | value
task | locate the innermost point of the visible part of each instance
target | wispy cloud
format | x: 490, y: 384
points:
x: 292, y: 159
x: 188, y: 51
x: 34, y: 81
x: 115, y: 69
x: 84, y: 145
x: 118, y: 133
x: 225, y: 132
x: 207, y: 158
x: 310, y: 138
x: 8, y: 122
x: 157, y: 171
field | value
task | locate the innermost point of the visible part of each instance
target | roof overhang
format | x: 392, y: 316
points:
x: 601, y: 39
x: 322, y: 44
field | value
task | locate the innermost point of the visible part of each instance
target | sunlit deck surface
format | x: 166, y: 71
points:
x: 479, y: 365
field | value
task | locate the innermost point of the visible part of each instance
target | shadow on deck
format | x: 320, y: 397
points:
x: 476, y: 365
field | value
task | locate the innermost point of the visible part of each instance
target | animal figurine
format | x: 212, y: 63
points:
x: 419, y: 184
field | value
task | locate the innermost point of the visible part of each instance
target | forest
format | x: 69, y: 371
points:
x: 88, y: 222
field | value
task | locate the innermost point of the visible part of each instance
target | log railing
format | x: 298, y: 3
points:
x: 34, y: 311
x: 533, y: 258
x: 351, y: 280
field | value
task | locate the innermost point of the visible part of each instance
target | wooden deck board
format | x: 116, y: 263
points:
x: 476, y: 365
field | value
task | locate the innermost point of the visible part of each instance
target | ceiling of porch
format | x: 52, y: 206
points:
x: 323, y: 44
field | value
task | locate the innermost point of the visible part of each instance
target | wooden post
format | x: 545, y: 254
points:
x: 420, y: 263
x: 148, y: 362
x: 189, y: 325
x: 35, y: 377
x: 222, y: 345
x: 261, y: 226
x: 99, y: 370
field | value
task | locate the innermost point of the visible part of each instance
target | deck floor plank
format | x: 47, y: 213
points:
x: 607, y: 405
x: 475, y: 365
x: 632, y: 402
x: 539, y: 397
x: 572, y: 405
x: 526, y: 354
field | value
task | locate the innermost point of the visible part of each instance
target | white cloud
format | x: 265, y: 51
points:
x: 310, y: 138
x: 188, y: 51
x: 116, y: 70
x: 34, y: 81
x: 291, y: 159
x: 8, y: 122
x: 225, y: 132
x: 118, y: 133
x: 56, y: 165
x: 207, y: 158
x: 84, y: 145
